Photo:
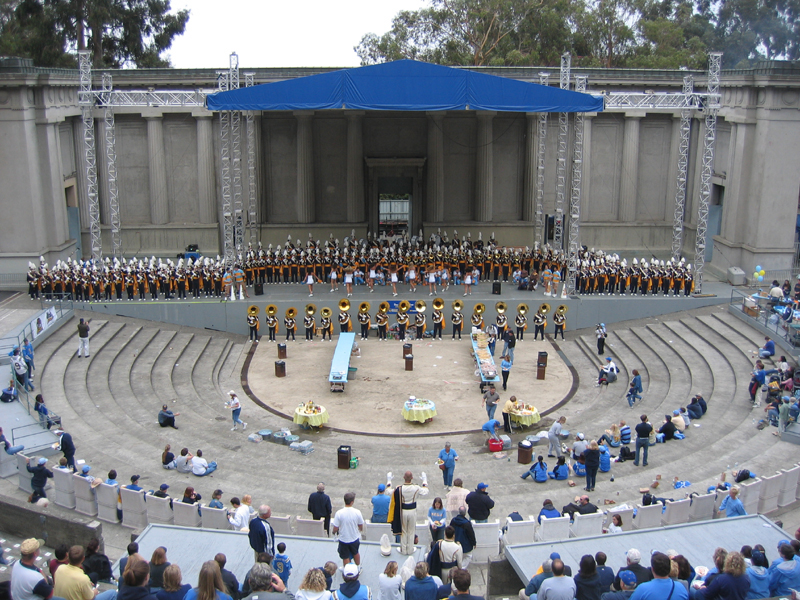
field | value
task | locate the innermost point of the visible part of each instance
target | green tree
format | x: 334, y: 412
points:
x: 119, y: 33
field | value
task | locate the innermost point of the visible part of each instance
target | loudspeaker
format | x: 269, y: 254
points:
x: 259, y: 289
x: 496, y: 288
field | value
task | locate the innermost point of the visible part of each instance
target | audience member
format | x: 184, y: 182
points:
x: 209, y: 584
x: 557, y: 587
x: 421, y: 586
x: 390, y: 583
x: 174, y: 588
x: 660, y: 586
x: 462, y: 581
x: 27, y: 580
x: 135, y: 577
x: 633, y: 558
x: 228, y: 578
x: 72, y: 582
x: 536, y: 581
x: 587, y: 582
x: 352, y: 588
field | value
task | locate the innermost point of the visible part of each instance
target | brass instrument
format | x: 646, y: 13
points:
x: 253, y: 311
x: 458, y: 305
x: 404, y: 306
x: 364, y: 307
x: 420, y: 306
x: 344, y: 305
x: 523, y: 308
x: 480, y: 308
x: 544, y: 308
x: 562, y: 310
x: 272, y: 310
x: 291, y: 313
x: 438, y: 304
x: 384, y: 307
x: 310, y: 309
x: 500, y: 307
x: 325, y: 313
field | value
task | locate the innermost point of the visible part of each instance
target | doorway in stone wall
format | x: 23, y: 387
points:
x: 395, y: 195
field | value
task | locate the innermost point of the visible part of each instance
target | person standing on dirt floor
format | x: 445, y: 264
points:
x: 236, y: 409
x: 552, y: 437
x: 601, y: 334
x: 448, y: 456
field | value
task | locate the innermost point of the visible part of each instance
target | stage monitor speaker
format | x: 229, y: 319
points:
x: 496, y: 288
x: 259, y: 289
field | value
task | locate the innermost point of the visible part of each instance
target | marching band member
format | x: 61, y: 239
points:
x: 521, y: 321
x: 502, y: 323
x: 272, y: 324
x: 457, y: 319
x: 291, y: 326
x: 438, y: 319
x: 309, y: 323
x: 476, y: 320
x: 334, y: 276
x: 344, y: 321
x: 419, y: 323
x: 431, y: 280
x: 560, y: 322
x: 383, y: 322
x: 348, y: 281
x: 402, y: 322
x: 556, y: 281
x: 412, y: 276
x: 310, y: 280
x: 253, y: 324
x: 468, y: 283
x: 539, y: 323
x: 393, y: 279
x: 326, y: 325
x: 365, y: 321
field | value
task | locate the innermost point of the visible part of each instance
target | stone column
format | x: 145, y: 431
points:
x: 355, y: 167
x: 159, y: 203
x: 484, y: 168
x: 630, y: 168
x: 305, y: 167
x: 435, y: 183
x: 529, y: 184
x: 206, y: 184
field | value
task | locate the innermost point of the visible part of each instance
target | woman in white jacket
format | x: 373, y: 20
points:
x: 313, y: 587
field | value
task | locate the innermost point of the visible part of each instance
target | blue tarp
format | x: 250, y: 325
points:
x: 404, y: 85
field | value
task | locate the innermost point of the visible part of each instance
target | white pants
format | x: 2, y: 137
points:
x: 83, y: 346
x: 409, y: 531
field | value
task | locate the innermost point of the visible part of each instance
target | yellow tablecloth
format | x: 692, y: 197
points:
x: 527, y: 418
x: 315, y: 420
x: 419, y: 413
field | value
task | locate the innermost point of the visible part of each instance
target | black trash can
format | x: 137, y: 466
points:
x: 406, y: 350
x: 280, y: 368
x: 496, y: 288
x: 344, y: 454
x: 541, y: 365
x: 409, y: 362
x: 282, y: 351
x: 524, y: 452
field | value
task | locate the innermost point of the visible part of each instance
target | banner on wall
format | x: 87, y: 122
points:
x: 43, y: 321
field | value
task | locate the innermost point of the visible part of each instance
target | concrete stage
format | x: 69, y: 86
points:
x: 444, y: 372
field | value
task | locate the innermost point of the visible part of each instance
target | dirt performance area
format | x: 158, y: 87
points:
x: 443, y: 371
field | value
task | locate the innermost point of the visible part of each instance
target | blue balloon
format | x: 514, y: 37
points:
x: 758, y: 268
x: 761, y: 278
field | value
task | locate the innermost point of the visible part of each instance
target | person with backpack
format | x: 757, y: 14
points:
x: 538, y: 471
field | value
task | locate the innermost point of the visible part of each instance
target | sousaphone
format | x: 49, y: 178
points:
x: 420, y: 306
x: 523, y: 309
x: 364, y: 307
x: 544, y: 308
x: 325, y: 313
x: 404, y: 306
x: 291, y: 312
x: 384, y: 307
x: 458, y: 305
x: 272, y: 310
x: 253, y: 311
x: 501, y: 307
x: 562, y: 310
x: 438, y: 304
x: 480, y: 308
x: 344, y: 305
x: 310, y: 309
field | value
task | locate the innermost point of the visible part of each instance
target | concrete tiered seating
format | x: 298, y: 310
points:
x: 519, y: 532
x: 8, y: 464
x: 647, y: 517
x: 63, y: 481
x: 676, y: 512
x: 309, y: 527
x: 424, y: 533
x: 587, y: 525
x: 85, y: 499
x: 187, y: 515
x: 702, y: 507
x: 374, y: 531
x: 788, y: 486
x: 487, y: 536
x: 770, y: 490
x: 134, y: 509
x: 552, y: 530
x: 750, y: 493
x: 625, y: 513
x: 217, y: 518
x: 159, y: 510
x: 107, y: 496
x: 282, y: 525
x: 24, y: 479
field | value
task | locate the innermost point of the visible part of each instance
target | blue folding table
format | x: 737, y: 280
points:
x: 340, y: 364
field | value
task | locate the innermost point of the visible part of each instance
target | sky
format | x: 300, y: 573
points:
x: 286, y: 33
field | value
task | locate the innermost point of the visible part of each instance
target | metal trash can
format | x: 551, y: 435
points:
x: 541, y: 365
x: 409, y: 362
x: 344, y: 454
x: 282, y: 351
x: 280, y: 368
x: 406, y: 350
x: 524, y: 452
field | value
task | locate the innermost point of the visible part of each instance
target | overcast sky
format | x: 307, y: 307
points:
x: 293, y: 33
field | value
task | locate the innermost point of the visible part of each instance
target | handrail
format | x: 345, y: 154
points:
x: 25, y: 431
x: 765, y: 315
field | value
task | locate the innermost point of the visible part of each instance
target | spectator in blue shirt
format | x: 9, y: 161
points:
x: 27, y: 354
x: 490, y: 428
x: 732, y: 506
x: 549, y: 511
x: 281, y: 564
x: 134, y: 484
x: 661, y: 586
x: 768, y: 349
x: 215, y: 500
x: 380, y: 505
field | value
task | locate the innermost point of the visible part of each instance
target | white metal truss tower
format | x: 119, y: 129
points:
x: 236, y: 159
x: 683, y: 164
x: 252, y: 213
x: 111, y: 169
x: 709, y: 142
x: 86, y: 99
x: 541, y: 137
x: 574, y: 237
x: 229, y: 251
x: 561, y: 160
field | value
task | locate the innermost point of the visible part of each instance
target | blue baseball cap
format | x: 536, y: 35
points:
x: 627, y: 577
x: 554, y: 555
x: 482, y: 486
x: 381, y: 487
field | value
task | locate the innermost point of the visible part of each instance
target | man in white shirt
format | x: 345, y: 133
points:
x: 240, y: 517
x: 201, y: 467
x: 408, y: 503
x: 348, y: 523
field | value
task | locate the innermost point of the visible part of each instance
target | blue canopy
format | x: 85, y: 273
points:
x: 404, y: 85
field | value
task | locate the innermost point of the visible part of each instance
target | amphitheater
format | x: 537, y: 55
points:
x: 109, y: 404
